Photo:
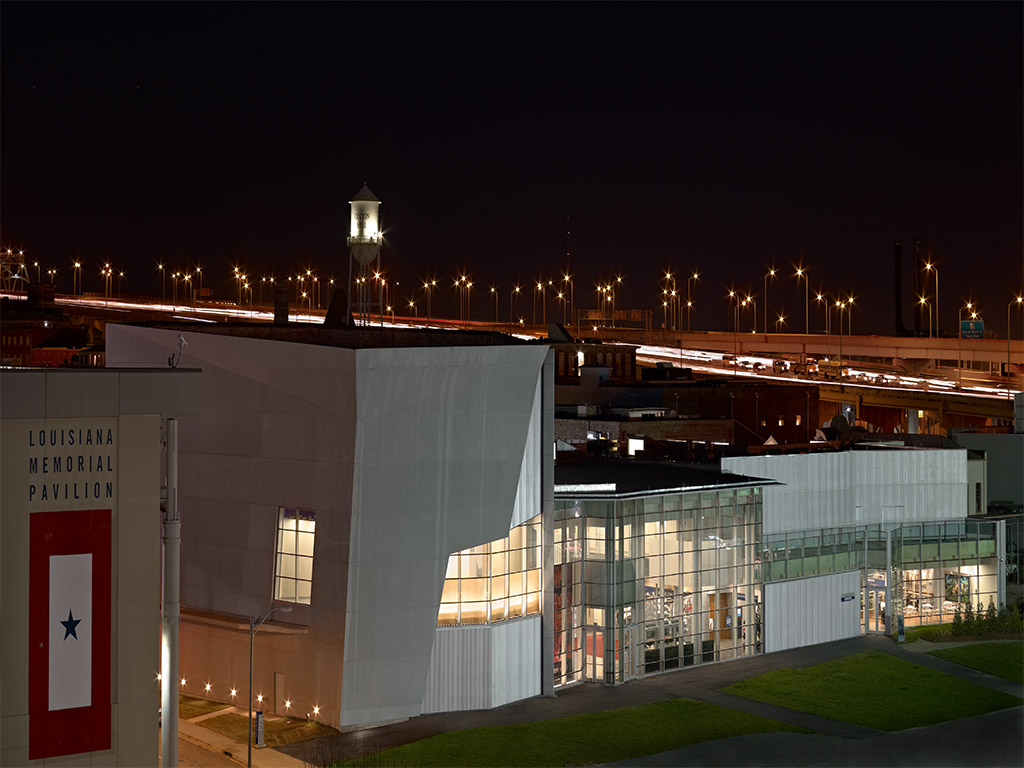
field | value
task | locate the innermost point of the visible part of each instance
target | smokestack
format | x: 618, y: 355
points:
x: 281, y: 306
x: 918, y: 293
x: 899, y: 328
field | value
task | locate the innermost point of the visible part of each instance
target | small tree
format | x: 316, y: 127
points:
x: 958, y: 621
x: 969, y: 628
x: 991, y: 617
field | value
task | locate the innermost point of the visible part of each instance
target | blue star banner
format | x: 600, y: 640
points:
x: 69, y: 632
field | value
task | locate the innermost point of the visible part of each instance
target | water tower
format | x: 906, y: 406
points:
x: 364, y: 242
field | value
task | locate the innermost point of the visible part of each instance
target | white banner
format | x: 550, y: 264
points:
x: 70, y: 645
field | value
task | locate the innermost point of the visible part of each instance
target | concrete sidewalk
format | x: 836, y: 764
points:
x: 1001, y: 730
x: 193, y: 730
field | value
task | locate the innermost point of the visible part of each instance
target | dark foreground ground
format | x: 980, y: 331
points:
x: 994, y: 739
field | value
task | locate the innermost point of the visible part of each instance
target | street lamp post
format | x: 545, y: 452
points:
x: 254, y: 627
x: 689, y: 303
x: 78, y: 277
x: 511, y: 295
x: 567, y: 278
x: 969, y: 306
x: 494, y: 291
x: 923, y: 302
x: 427, y: 285
x: 770, y: 273
x: 163, y: 283
x: 780, y: 321
x: 842, y: 306
x: 1019, y: 301
x: 801, y: 272
x: 932, y: 267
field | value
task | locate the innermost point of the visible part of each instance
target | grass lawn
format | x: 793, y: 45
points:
x: 874, y: 689
x: 282, y: 730
x: 943, y: 633
x: 593, y: 738
x: 189, y: 707
x: 933, y: 633
x: 1000, y: 659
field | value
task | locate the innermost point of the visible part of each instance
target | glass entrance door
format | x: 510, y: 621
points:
x: 594, y: 661
x: 874, y: 610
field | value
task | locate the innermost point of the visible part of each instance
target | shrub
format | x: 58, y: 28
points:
x: 958, y: 623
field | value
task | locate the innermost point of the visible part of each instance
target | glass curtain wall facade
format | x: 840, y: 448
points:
x: 925, y: 570
x: 655, y: 582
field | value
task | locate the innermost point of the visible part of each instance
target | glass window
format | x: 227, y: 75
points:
x: 491, y: 583
x: 293, y: 577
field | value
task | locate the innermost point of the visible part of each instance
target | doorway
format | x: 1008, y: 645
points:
x: 874, y: 610
x: 594, y: 658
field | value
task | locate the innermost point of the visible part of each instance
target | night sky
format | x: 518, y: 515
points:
x: 722, y: 136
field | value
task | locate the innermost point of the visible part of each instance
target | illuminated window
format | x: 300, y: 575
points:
x: 782, y: 421
x: 293, y: 576
x: 797, y: 420
x: 495, y: 581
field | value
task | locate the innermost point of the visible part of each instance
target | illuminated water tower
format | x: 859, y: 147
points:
x: 364, y: 242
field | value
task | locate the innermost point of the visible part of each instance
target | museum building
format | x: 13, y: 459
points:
x: 396, y: 492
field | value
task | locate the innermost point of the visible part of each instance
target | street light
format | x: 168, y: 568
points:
x: 1019, y: 301
x: 567, y: 278
x: 689, y: 303
x: 78, y: 277
x: 923, y: 302
x: 780, y: 321
x: 828, y: 311
x: 969, y: 306
x: 511, y: 295
x: 669, y: 292
x: 770, y: 273
x: 494, y: 291
x: 801, y: 272
x: 254, y: 627
x: 930, y: 267
x: 163, y: 283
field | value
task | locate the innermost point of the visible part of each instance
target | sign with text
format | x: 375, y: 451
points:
x: 972, y: 329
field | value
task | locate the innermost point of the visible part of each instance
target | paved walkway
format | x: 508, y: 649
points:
x: 991, y: 740
x: 193, y: 731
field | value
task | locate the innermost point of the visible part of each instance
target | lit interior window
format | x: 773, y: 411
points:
x: 495, y: 581
x: 293, y: 577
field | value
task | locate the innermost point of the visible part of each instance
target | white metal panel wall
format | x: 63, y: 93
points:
x: 515, y: 660
x: 440, y: 443
x: 527, y: 504
x: 858, y: 487
x: 484, y: 666
x: 460, y: 670
x: 808, y: 611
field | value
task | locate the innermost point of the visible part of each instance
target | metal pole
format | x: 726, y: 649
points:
x: 252, y: 634
x: 171, y: 613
